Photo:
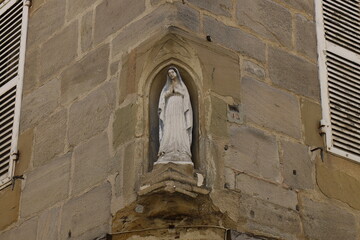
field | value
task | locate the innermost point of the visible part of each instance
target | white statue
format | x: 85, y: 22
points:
x: 175, y: 121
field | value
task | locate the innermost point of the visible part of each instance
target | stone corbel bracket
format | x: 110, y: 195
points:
x: 171, y: 178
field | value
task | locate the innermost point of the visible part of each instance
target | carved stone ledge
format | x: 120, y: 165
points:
x: 173, y: 178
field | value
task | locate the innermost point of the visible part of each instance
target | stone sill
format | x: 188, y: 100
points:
x: 171, y: 178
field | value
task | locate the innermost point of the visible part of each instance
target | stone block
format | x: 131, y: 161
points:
x: 74, y: 8
x: 298, y: 170
x: 88, y: 213
x: 112, y: 15
x: 91, y: 163
x: 46, y: 185
x: 266, y: 191
x: 293, y: 73
x: 254, y: 152
x: 266, y: 18
x: 54, y: 13
x: 254, y: 69
x: 218, y: 124
x: 305, y: 36
x: 338, y: 184
x: 268, y: 219
x: 91, y: 115
x: 234, y: 39
x: 186, y: 17
x: 39, y: 104
x: 323, y: 220
x: 50, y: 138
x: 221, y: 70
x: 268, y: 106
x: 85, y: 74
x: 124, y: 124
x: 311, y: 116
x: 86, y: 31
x: 48, y: 224
x: 9, y: 205
x: 218, y: 7
x: 31, y: 71
x: 58, y: 51
x: 26, y: 231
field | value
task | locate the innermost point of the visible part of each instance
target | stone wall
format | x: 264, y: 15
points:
x: 84, y: 141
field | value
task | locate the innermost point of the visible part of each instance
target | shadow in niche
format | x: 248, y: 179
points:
x: 155, y: 90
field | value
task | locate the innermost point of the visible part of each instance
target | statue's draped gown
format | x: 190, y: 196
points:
x: 175, y: 123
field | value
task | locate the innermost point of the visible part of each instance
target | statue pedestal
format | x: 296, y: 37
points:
x: 171, y: 178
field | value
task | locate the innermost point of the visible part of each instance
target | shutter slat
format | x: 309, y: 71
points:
x: 342, y: 23
x: 12, y: 22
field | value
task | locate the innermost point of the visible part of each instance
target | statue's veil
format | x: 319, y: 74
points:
x: 181, y: 88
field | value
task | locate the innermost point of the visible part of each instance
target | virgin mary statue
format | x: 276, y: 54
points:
x: 175, y: 121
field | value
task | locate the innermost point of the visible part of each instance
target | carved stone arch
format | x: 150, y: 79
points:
x: 171, y: 50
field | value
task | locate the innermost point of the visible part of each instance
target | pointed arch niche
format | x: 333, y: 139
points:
x: 155, y: 90
x: 171, y: 50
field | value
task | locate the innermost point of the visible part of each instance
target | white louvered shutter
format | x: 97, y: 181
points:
x: 338, y: 29
x: 13, y: 24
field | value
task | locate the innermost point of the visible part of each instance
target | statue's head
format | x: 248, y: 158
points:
x: 172, y: 73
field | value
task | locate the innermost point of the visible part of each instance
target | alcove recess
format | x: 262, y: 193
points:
x: 172, y: 177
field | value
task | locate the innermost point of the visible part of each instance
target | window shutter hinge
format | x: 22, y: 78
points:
x: 28, y: 3
x: 14, y: 179
x: 323, y: 126
x: 15, y: 155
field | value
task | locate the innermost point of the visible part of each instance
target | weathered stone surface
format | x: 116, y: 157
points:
x: 39, y: 104
x: 322, y: 220
x: 9, y: 205
x: 269, y: 219
x: 91, y: 163
x: 74, y: 8
x: 58, y: 51
x: 54, y: 13
x: 50, y: 138
x: 186, y: 17
x: 305, y: 36
x: 221, y: 71
x: 48, y: 225
x: 46, y: 186
x: 112, y: 15
x: 218, y: 124
x: 124, y: 124
x: 298, y: 170
x: 338, y: 184
x: 229, y: 176
x: 25, y: 147
x: 254, y: 69
x: 268, y: 107
x: 218, y: 7
x: 311, y: 116
x: 293, y: 73
x: 266, y: 18
x: 89, y: 212
x: 254, y: 152
x: 234, y: 39
x: 86, y: 31
x: 91, y: 115
x: 306, y: 6
x: 84, y: 75
x: 26, y: 231
x: 31, y: 71
x: 168, y: 14
x: 266, y: 191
